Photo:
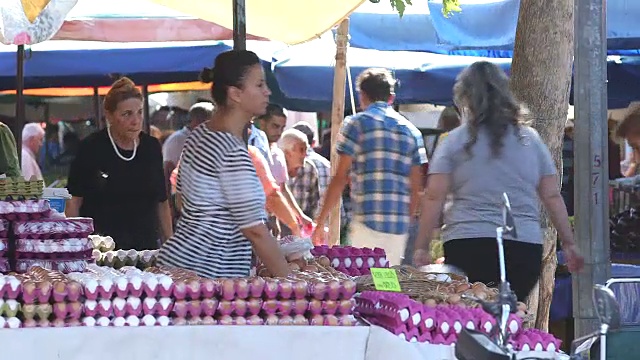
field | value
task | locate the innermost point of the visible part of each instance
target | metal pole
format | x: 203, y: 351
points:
x: 18, y: 124
x: 239, y: 25
x: 96, y: 108
x: 145, y: 110
x: 591, y: 157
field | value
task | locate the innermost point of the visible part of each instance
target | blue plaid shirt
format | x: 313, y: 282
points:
x: 384, y: 147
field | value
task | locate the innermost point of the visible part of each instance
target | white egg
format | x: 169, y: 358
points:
x: 347, y: 262
x: 404, y: 314
x: 416, y: 318
x: 359, y: 262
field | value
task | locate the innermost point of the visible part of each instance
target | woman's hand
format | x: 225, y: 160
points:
x: 575, y: 261
x: 421, y: 257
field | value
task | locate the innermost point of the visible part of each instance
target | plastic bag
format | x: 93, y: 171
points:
x: 295, y: 248
x: 16, y: 28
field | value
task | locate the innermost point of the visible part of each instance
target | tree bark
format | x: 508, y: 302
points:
x: 541, y: 78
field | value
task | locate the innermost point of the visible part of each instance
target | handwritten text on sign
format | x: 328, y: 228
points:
x: 385, y: 279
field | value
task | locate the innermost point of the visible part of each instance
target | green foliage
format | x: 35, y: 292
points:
x: 448, y: 6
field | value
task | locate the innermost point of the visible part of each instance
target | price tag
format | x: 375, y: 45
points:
x: 385, y: 279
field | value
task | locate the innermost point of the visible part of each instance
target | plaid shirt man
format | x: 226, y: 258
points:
x: 384, y: 147
x: 305, y: 188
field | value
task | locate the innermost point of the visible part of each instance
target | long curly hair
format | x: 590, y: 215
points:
x: 483, y: 95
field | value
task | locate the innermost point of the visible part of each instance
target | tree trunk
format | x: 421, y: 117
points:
x: 541, y: 78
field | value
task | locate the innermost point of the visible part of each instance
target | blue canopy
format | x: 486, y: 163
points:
x: 483, y: 28
x: 81, y: 64
x: 305, y: 73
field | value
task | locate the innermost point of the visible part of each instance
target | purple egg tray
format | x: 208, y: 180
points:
x: 24, y: 210
x: 4, y: 228
x: 63, y: 266
x: 4, y: 265
x: 416, y: 322
x: 77, y: 255
x: 4, y: 246
x: 53, y: 228
x: 351, y: 260
x: 49, y: 246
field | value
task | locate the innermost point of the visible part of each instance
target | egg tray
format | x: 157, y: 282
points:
x: 63, y: 266
x: 4, y: 228
x: 20, y: 189
x: 24, y: 210
x: 70, y: 246
x: 54, y: 256
x: 53, y: 228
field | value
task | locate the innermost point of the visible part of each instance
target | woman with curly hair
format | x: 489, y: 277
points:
x: 494, y: 151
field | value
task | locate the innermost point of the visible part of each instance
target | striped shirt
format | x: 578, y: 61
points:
x: 220, y: 196
x: 384, y: 147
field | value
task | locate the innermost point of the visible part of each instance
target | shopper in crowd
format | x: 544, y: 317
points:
x: 223, y: 215
x: 155, y: 132
x: 172, y: 148
x: 117, y: 177
x: 322, y: 165
x: 9, y: 165
x: 629, y: 130
x: 303, y: 174
x: 493, y: 152
x: 275, y: 203
x: 615, y: 153
x: 32, y: 141
x: 273, y: 123
x: 383, y: 152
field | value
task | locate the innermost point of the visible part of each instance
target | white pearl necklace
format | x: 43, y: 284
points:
x: 115, y: 147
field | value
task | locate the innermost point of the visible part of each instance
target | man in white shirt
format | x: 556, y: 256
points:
x: 172, y: 148
x: 32, y: 140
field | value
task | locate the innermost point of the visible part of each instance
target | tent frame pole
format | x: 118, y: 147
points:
x: 337, y: 115
x: 18, y: 123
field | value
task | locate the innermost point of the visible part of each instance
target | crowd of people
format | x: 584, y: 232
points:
x: 218, y: 192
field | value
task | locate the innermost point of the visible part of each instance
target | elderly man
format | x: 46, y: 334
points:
x: 172, y: 147
x: 32, y: 140
x: 303, y: 175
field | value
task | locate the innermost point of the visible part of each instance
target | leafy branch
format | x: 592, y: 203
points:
x: 448, y: 6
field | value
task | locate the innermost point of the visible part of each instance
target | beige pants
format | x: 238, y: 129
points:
x: 394, y: 245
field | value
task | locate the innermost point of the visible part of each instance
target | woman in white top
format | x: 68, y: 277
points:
x: 222, y: 201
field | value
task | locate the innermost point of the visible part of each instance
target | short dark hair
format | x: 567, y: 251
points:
x: 376, y: 83
x: 305, y: 129
x: 273, y: 110
x: 630, y: 124
x: 201, y: 112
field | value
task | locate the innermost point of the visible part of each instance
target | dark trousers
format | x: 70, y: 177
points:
x: 478, y: 258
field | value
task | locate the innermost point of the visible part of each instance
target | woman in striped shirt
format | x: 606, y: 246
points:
x: 222, y: 200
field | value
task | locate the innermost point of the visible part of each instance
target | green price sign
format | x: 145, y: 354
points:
x: 385, y: 279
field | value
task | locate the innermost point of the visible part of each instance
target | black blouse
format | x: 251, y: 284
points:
x: 121, y: 196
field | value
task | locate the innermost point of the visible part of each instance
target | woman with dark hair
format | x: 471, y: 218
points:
x: 494, y: 151
x: 117, y: 178
x: 223, y: 204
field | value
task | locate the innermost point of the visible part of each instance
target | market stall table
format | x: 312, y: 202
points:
x: 383, y: 345
x: 186, y: 342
